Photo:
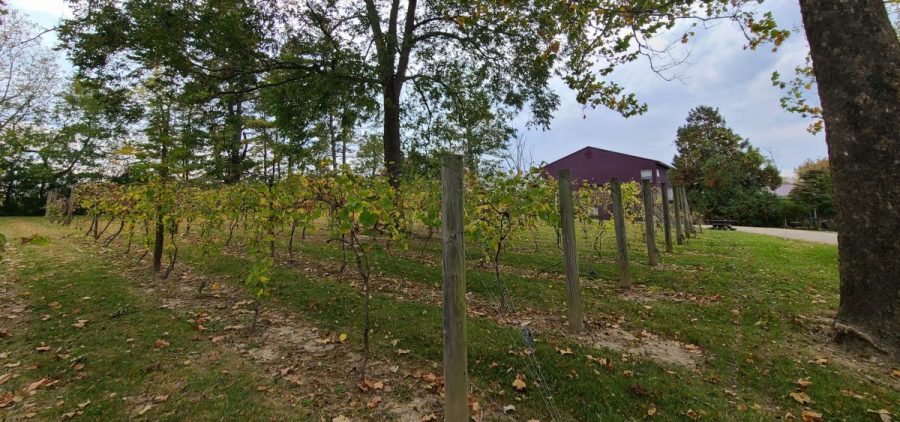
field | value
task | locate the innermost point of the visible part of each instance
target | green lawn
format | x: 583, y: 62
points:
x: 755, y: 306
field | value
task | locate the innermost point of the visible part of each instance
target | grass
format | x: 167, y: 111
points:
x: 112, y: 367
x: 752, y: 303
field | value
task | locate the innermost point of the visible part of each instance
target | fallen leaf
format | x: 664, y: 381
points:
x: 144, y: 409
x: 651, y: 411
x: 160, y: 343
x: 566, y: 351
x: 509, y: 408
x: 7, y: 399
x: 801, y: 398
x: 374, y: 402
x: 68, y: 415
x: 340, y: 418
x: 519, y: 383
x: 884, y: 414
x: 35, y: 385
x: 431, y: 417
x: 342, y: 338
x: 42, y: 348
x: 628, y: 374
x: 83, y: 405
x: 161, y: 398
x: 80, y: 323
x: 810, y: 416
x: 804, y: 383
x: 5, y: 377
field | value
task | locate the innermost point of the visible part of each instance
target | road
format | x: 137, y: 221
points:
x: 806, y: 235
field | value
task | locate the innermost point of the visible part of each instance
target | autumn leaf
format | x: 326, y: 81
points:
x: 566, y: 351
x: 160, y: 343
x: 883, y: 414
x: 342, y: 338
x: 519, y: 383
x: 431, y: 417
x: 374, y: 402
x: 144, y: 409
x: 651, y: 411
x: 810, y: 416
x: 80, y: 323
x: 804, y: 383
x: 801, y: 398
x: 35, y: 385
x: 340, y: 418
x: 5, y: 377
x: 161, y: 398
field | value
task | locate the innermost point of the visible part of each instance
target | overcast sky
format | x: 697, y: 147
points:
x: 719, y: 73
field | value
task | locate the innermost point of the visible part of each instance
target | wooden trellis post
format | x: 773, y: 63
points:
x: 667, y: 218
x: 456, y: 403
x: 647, y: 193
x: 687, y: 212
x: 567, y: 220
x: 676, y: 200
x: 621, y: 239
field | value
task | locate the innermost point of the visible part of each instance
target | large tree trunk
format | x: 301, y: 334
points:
x: 856, y: 58
x: 393, y: 155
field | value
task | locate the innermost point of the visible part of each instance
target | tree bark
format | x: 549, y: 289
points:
x: 856, y: 59
x: 393, y: 154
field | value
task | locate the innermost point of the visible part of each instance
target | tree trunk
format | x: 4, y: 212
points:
x: 856, y: 59
x: 158, y: 244
x: 393, y: 155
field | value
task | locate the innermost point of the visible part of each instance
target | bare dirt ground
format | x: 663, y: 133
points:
x: 829, y: 238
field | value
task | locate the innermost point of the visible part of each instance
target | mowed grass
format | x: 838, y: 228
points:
x: 746, y: 300
x: 130, y: 359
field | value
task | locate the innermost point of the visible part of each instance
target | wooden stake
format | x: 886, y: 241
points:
x: 687, y: 213
x: 456, y: 403
x: 647, y: 192
x: 567, y: 220
x: 676, y: 200
x: 667, y: 218
x: 621, y: 239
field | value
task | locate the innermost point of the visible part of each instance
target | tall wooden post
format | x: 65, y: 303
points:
x: 456, y: 403
x: 676, y: 200
x: 647, y: 193
x: 684, y: 213
x: 567, y: 220
x: 667, y: 218
x: 687, y: 212
x: 621, y: 238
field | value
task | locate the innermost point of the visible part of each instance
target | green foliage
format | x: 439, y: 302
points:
x: 814, y: 188
x: 726, y: 177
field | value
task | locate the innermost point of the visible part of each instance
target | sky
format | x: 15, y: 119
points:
x: 719, y: 72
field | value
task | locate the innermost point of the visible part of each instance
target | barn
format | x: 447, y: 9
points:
x: 597, y: 165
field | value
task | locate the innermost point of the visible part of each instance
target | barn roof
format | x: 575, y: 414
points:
x: 657, y: 162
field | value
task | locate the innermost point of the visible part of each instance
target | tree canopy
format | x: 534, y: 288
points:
x: 725, y: 175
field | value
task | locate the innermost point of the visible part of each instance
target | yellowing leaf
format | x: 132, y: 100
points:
x: 342, y: 338
x: 810, y: 416
x: 801, y: 398
x: 519, y: 383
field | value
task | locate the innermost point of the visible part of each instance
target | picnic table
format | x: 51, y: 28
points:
x: 722, y: 224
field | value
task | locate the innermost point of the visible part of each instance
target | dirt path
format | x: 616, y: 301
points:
x: 829, y: 238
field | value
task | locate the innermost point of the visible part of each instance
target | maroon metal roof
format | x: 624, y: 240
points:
x: 598, y: 165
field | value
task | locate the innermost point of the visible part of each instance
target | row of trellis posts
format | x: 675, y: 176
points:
x: 454, y: 269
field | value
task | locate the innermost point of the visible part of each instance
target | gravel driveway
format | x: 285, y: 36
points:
x: 806, y: 235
